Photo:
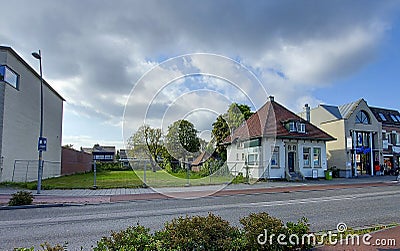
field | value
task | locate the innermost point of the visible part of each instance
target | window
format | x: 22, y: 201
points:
x: 9, y: 76
x: 292, y: 127
x: 237, y: 156
x: 242, y: 156
x: 362, y: 118
x: 382, y: 117
x: 252, y: 159
x: 317, y: 157
x: 398, y: 117
x: 275, y: 157
x: 393, y: 118
x: 301, y: 128
x: 398, y: 139
x: 389, y: 138
x: 306, y: 156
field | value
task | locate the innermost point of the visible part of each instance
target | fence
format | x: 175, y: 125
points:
x: 154, y: 176
x: 26, y: 170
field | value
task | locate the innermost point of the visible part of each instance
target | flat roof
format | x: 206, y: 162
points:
x: 15, y: 54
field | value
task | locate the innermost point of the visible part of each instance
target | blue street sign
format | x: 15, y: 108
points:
x: 42, y: 144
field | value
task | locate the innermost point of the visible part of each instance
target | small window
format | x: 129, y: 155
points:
x: 393, y: 118
x: 275, y: 157
x: 398, y: 117
x: 242, y: 156
x: 362, y: 118
x: 317, y: 157
x: 237, y: 156
x: 9, y: 76
x: 292, y: 127
x: 382, y: 117
x: 301, y: 128
x: 306, y: 156
x: 252, y: 159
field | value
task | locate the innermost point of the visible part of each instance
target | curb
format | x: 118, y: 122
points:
x: 34, y: 206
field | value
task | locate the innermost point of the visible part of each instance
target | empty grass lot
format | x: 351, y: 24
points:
x: 124, y: 179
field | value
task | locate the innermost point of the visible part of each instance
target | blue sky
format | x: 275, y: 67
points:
x: 95, y: 53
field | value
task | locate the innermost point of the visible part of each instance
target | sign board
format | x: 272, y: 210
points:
x: 42, y: 144
x: 315, y: 173
x: 349, y: 143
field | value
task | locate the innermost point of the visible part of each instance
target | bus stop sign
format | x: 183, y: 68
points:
x: 42, y: 144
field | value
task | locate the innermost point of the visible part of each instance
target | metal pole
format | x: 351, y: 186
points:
x: 94, y: 175
x: 144, y: 174
x: 40, y: 162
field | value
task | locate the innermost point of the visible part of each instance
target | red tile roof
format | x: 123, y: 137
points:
x: 269, y: 121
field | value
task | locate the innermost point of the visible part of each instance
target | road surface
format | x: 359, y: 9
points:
x: 83, y: 225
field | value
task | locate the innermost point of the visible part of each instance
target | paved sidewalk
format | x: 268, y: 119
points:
x: 387, y: 239
x: 85, y: 196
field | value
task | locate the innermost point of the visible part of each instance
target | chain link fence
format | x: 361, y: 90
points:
x: 27, y: 170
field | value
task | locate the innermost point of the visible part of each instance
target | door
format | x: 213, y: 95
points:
x: 291, y: 158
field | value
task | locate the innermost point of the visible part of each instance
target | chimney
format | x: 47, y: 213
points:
x: 271, y: 98
x: 307, y: 112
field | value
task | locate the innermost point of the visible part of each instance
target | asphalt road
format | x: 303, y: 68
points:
x: 83, y: 225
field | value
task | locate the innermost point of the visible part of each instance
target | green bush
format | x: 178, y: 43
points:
x: 261, y: 223
x: 45, y: 247
x: 111, y: 166
x: 21, y: 198
x: 133, y: 238
x: 198, y: 233
x: 239, y: 179
x: 203, y: 233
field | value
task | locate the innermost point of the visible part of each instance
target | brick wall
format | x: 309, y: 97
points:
x: 73, y: 161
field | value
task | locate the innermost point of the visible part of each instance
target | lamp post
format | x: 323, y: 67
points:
x: 40, y: 162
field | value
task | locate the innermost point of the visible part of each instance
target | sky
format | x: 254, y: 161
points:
x: 120, y: 64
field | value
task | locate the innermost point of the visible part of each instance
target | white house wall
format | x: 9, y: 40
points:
x: 263, y: 170
x: 308, y: 171
x: 21, y: 122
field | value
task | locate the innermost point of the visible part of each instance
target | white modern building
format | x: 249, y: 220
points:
x: 20, y: 120
x: 275, y: 143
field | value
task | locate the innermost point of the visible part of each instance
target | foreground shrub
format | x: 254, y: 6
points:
x: 270, y: 228
x: 21, y: 198
x: 45, y: 247
x: 199, y: 233
x: 133, y: 238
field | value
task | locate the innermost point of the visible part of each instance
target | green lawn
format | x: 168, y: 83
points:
x: 123, y: 179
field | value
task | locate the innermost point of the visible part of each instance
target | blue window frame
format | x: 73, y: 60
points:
x: 9, y: 76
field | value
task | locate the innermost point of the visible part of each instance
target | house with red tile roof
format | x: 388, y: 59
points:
x: 275, y: 143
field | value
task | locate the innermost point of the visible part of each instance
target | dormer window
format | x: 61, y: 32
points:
x: 301, y: 128
x: 298, y: 126
x: 292, y: 126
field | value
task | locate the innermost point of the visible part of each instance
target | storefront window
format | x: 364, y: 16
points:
x: 306, y: 156
x: 275, y: 157
x: 317, y: 157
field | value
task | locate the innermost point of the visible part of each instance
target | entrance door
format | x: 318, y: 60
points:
x: 291, y: 158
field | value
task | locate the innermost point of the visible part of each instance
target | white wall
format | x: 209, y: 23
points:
x: 22, y: 121
x: 307, y: 171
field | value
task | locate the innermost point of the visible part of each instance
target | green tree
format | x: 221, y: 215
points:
x: 146, y: 143
x: 227, y: 123
x: 182, y: 140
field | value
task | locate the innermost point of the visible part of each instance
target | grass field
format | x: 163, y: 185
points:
x: 123, y: 179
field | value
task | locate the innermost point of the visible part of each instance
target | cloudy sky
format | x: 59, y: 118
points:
x: 119, y: 64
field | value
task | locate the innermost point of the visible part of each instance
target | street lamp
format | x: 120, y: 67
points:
x: 40, y: 163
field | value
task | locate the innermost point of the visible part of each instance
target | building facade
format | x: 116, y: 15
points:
x: 275, y: 143
x: 101, y: 153
x: 358, y: 145
x: 20, y: 120
x: 390, y: 120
